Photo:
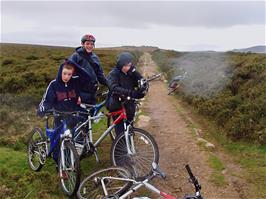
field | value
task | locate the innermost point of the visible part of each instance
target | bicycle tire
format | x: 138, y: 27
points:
x: 135, y: 163
x: 91, y: 187
x: 79, y: 142
x: 35, y: 147
x: 69, y: 181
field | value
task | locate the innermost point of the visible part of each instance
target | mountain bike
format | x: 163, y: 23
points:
x: 135, y: 148
x: 117, y: 183
x: 56, y: 142
x: 176, y: 83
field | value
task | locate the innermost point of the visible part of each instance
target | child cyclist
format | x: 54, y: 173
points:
x: 62, y: 94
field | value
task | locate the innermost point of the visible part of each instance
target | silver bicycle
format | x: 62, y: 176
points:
x: 117, y: 183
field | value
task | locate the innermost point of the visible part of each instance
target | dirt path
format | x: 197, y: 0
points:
x: 177, y: 144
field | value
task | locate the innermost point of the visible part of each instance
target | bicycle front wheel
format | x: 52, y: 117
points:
x: 106, y: 182
x: 36, y: 149
x: 144, y: 152
x: 69, y: 168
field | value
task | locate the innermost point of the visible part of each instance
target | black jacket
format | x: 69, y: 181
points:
x: 121, y: 84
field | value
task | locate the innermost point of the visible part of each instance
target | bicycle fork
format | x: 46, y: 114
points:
x: 129, y: 140
x: 65, y: 137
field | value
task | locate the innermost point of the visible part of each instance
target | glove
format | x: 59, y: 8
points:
x: 137, y: 94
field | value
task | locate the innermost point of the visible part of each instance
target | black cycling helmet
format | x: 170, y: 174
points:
x: 88, y: 37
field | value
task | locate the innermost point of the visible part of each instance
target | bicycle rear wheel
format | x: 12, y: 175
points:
x: 36, y: 149
x: 140, y: 162
x: 69, y: 168
x: 92, y: 186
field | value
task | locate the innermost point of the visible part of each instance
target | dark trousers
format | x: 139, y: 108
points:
x: 130, y: 111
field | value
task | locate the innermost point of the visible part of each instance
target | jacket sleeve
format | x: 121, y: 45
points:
x: 48, y: 100
x: 114, y: 86
x: 99, y: 71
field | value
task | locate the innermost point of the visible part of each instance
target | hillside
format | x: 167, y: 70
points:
x: 253, y: 49
x: 229, y: 88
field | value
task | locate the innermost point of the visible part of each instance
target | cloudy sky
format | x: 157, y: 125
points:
x: 178, y: 25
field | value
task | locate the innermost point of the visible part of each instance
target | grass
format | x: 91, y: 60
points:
x: 18, y: 180
x: 250, y: 157
x: 216, y: 164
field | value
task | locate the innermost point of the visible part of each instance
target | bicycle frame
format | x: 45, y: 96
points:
x: 156, y: 172
x: 96, y: 116
x: 54, y: 137
x: 137, y: 185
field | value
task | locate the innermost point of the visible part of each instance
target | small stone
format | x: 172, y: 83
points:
x: 202, y: 140
x: 210, y: 145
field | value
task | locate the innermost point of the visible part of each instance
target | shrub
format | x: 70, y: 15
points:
x: 32, y: 57
x: 7, y: 62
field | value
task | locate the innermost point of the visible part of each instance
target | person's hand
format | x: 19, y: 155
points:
x: 137, y: 94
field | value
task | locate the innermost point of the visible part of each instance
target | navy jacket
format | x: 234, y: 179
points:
x: 91, y: 63
x: 60, y: 96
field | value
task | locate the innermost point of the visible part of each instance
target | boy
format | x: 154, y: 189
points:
x: 63, y: 93
x: 123, y: 81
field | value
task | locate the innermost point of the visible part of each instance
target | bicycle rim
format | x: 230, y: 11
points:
x: 146, y: 152
x: 92, y: 187
x: 36, y: 149
x: 69, y: 170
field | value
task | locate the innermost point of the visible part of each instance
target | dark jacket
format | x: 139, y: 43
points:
x: 90, y: 62
x: 60, y: 96
x: 121, y: 84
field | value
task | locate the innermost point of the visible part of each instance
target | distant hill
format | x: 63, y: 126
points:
x: 253, y: 49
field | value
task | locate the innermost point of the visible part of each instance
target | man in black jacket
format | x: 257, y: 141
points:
x: 123, y: 82
x: 90, y: 62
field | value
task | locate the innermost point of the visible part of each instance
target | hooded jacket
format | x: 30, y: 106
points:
x: 120, y: 83
x: 60, y: 95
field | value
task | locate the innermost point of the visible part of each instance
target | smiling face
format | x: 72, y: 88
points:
x: 67, y: 74
x: 88, y: 46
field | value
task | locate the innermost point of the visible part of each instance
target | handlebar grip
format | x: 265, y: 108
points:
x: 189, y: 172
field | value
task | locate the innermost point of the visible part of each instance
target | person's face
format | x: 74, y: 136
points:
x: 66, y: 74
x: 88, y: 45
x: 126, y: 68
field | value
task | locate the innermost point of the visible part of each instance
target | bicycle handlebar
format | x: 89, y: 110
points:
x: 59, y: 113
x: 153, y: 77
x: 193, y: 178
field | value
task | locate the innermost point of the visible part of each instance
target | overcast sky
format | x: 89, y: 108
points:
x: 190, y: 25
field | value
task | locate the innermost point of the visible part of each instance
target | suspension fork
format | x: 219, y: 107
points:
x: 129, y: 140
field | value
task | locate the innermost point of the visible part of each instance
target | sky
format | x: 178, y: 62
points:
x: 176, y: 25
